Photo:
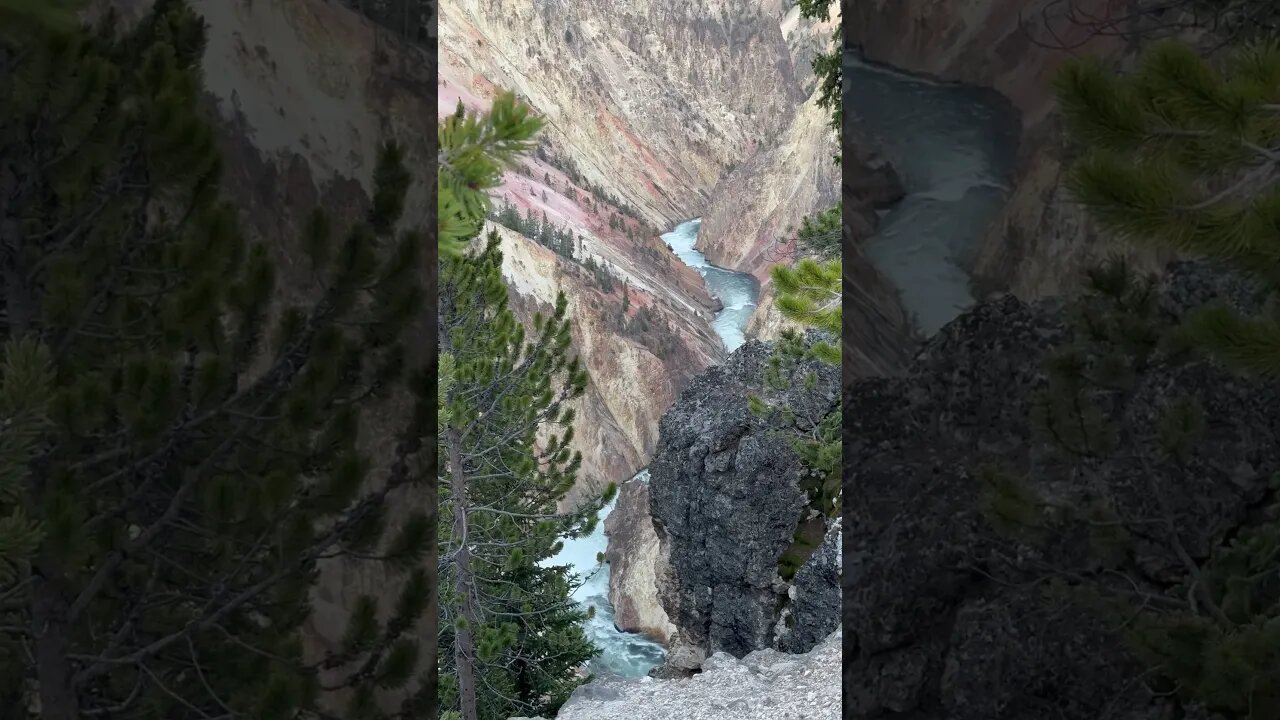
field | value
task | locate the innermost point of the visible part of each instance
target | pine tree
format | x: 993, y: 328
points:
x: 25, y: 390
x: 809, y: 294
x: 1180, y: 155
x: 179, y: 450
x: 511, y: 637
x: 1183, y: 156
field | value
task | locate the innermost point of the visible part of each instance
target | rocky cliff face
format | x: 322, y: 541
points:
x: 764, y: 685
x: 636, y: 561
x: 877, y: 334
x: 616, y: 426
x: 945, y: 618
x: 1041, y: 239
x: 759, y: 202
x: 755, y: 206
x: 726, y: 503
x: 806, y: 39
x: 654, y: 100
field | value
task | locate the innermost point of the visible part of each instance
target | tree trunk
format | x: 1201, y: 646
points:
x: 464, y: 646
x: 49, y: 630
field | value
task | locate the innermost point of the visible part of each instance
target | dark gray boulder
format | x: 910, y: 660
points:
x: 947, y: 619
x: 725, y: 497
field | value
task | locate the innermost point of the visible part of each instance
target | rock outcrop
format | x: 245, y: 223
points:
x: 726, y: 500
x: 764, y: 685
x: 813, y: 598
x: 947, y: 619
x: 635, y: 563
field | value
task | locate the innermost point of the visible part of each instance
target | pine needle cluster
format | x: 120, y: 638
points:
x: 474, y: 152
x: 1185, y: 156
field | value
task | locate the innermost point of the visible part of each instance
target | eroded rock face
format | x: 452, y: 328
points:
x: 878, y: 336
x: 635, y: 562
x: 726, y: 501
x: 654, y: 99
x: 813, y: 607
x: 632, y: 377
x: 764, y: 685
x: 755, y: 205
x: 946, y: 619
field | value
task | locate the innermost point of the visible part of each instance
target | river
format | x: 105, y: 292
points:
x: 954, y: 147
x: 631, y: 654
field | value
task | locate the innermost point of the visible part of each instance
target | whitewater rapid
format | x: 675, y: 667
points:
x: 631, y: 654
x: 737, y: 292
x: 954, y: 148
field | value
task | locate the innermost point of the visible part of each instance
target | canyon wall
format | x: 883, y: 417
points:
x: 878, y: 337
x: 639, y: 351
x: 755, y: 207
x: 654, y: 100
x: 1041, y: 239
x: 634, y: 376
x: 759, y: 203
x: 636, y: 562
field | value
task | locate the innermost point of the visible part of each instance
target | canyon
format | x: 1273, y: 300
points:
x: 655, y: 112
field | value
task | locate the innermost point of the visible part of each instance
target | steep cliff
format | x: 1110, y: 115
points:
x: 754, y: 207
x: 945, y: 616
x: 636, y: 561
x: 806, y: 39
x: 654, y: 100
x: 727, y: 504
x: 877, y: 334
x: 634, y: 375
x: 759, y: 202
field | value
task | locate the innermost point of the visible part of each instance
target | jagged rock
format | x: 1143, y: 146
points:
x: 726, y: 501
x: 813, y: 608
x: 946, y: 618
x: 687, y: 657
x: 635, y: 561
x: 765, y: 685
